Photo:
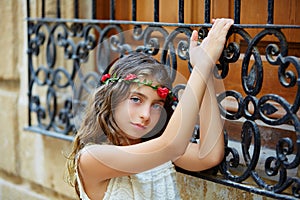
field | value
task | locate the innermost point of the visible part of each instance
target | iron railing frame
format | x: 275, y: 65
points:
x: 276, y: 55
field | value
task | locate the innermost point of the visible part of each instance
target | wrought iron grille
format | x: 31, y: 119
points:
x: 58, y: 48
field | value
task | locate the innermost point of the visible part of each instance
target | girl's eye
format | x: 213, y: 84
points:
x: 157, y: 106
x: 135, y: 99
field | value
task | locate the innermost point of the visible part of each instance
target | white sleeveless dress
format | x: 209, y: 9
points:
x: 155, y: 184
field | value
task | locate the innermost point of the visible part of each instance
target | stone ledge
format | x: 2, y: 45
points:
x: 13, y: 191
x: 9, y: 190
x: 194, y: 188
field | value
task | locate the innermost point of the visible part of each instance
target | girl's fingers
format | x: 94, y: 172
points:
x: 221, y: 23
x: 213, y: 44
x: 217, y: 24
x: 229, y: 23
x: 220, y: 29
x: 194, y: 39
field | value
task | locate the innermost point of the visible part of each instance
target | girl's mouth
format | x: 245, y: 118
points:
x: 139, y: 126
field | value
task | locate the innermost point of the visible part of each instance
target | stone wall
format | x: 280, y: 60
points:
x: 32, y: 166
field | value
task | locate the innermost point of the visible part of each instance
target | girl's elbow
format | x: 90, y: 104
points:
x: 176, y: 150
x: 217, y: 157
x: 219, y: 152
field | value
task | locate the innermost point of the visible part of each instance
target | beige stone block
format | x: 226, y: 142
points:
x: 26, y: 191
x: 20, y: 38
x: 66, y: 9
x: 56, y: 151
x: 8, y: 40
x: 42, y: 161
x: 9, y: 127
x: 9, y: 191
x: 194, y: 188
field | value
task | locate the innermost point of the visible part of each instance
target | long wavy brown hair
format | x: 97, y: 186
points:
x: 98, y: 125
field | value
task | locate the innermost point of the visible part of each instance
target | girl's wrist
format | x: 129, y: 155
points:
x: 203, y: 61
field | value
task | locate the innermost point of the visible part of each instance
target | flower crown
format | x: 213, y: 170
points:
x: 162, y: 91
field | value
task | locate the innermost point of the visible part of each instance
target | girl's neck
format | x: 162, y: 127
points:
x: 130, y: 142
x: 123, y: 140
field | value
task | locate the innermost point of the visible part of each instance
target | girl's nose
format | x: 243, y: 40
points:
x: 145, y: 113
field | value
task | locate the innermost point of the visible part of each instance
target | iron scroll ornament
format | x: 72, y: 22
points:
x: 287, y: 151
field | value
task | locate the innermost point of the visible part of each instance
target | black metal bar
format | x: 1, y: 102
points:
x: 270, y: 11
x: 28, y: 8
x: 181, y: 11
x: 112, y: 9
x: 156, y: 10
x: 76, y: 9
x: 29, y: 61
x: 133, y: 12
x: 58, y: 14
x: 237, y: 11
x: 207, y: 11
x: 94, y: 9
x: 160, y: 23
x: 49, y: 133
x: 43, y: 8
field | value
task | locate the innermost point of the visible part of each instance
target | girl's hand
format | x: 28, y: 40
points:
x: 213, y: 44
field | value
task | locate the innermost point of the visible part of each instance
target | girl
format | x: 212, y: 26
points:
x: 124, y: 150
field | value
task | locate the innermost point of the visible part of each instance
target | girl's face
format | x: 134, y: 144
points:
x: 139, y: 113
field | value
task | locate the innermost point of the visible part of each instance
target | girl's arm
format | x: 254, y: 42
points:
x: 210, y: 150
x: 100, y: 162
